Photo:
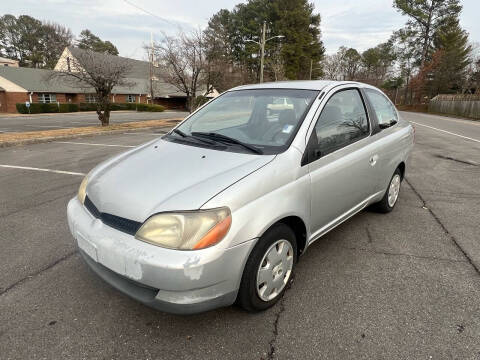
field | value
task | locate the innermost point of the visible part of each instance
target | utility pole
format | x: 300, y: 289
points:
x: 311, y: 69
x: 262, y: 47
x: 151, y: 67
x: 262, y: 58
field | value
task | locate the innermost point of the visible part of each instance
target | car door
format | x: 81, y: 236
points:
x: 339, y: 160
x: 387, y: 146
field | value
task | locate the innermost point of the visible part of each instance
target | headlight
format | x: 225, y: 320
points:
x: 82, y: 190
x: 190, y: 230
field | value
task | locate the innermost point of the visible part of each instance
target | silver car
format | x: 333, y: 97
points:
x: 220, y: 209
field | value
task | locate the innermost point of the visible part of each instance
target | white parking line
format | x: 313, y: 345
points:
x: 93, y: 144
x: 447, y: 132
x: 43, y: 170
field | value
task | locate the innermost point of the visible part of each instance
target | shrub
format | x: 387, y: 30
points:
x: 132, y: 106
x: 149, y: 107
x: 68, y: 108
x: 37, y: 108
x: 88, y: 107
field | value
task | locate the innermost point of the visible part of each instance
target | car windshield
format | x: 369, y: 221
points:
x: 258, y: 120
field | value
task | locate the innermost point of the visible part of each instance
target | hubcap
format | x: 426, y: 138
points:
x: 274, y: 270
x: 393, y: 190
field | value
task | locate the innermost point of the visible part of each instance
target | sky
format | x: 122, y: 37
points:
x: 353, y: 23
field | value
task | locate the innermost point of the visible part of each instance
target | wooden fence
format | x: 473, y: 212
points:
x: 460, y: 105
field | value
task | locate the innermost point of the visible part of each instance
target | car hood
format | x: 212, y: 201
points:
x: 166, y: 176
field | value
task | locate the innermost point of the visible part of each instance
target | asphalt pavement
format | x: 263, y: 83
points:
x: 37, y: 122
x: 405, y: 285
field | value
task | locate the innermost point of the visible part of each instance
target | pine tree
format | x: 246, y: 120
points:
x: 425, y: 18
x: 451, y: 41
x: 90, y: 41
x: 300, y: 50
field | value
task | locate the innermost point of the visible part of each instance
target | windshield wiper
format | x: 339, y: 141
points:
x: 227, y: 139
x: 182, y: 134
x: 179, y: 132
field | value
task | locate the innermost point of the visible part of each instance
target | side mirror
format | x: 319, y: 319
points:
x: 387, y: 125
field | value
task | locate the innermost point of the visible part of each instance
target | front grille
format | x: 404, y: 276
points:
x: 116, y: 222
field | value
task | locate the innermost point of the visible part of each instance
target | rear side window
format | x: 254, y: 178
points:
x: 343, y: 121
x: 382, y: 106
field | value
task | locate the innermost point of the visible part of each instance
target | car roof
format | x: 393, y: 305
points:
x: 297, y: 84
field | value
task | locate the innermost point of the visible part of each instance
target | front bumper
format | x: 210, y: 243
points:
x: 181, y: 282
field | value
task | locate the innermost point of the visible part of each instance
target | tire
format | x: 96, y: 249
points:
x: 385, y: 205
x: 277, y: 239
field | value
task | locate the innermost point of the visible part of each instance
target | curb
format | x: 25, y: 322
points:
x: 77, y: 136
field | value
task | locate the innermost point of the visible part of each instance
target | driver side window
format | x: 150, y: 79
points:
x: 343, y: 121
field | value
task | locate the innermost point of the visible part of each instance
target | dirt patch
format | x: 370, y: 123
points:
x: 19, y: 138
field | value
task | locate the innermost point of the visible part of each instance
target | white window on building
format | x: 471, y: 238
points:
x: 47, y: 98
x: 90, y: 98
x: 131, y: 98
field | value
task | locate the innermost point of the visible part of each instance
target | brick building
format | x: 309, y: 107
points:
x: 163, y: 93
x: 19, y: 85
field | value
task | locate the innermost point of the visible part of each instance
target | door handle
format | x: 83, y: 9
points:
x: 373, y: 160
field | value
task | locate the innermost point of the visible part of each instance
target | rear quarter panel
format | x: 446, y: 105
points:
x: 393, y: 146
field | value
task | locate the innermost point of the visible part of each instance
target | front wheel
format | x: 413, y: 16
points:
x: 268, y: 269
x: 391, y: 195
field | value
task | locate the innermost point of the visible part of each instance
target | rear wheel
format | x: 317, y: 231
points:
x: 268, y: 269
x: 391, y: 195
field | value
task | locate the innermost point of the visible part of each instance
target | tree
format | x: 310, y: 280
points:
x: 291, y: 56
x: 422, y: 84
x: 30, y: 32
x: 331, y: 65
x: 426, y: 16
x: 182, y: 62
x: 296, y: 20
x: 472, y: 83
x: 223, y: 68
x: 89, y: 41
x: 350, y: 62
x: 377, y: 62
x: 394, y: 84
x: 447, y: 71
x: 404, y: 48
x: 31, y: 42
x: 452, y: 40
x: 99, y: 71
x: 9, y: 37
x: 55, y: 39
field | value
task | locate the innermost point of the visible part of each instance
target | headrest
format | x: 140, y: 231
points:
x: 287, y: 116
x: 331, y: 113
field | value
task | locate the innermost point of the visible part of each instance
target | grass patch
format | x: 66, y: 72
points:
x: 32, y: 136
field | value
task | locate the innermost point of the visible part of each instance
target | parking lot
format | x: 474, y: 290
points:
x: 404, y: 285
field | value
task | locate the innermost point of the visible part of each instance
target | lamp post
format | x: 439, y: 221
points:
x: 262, y: 47
x: 312, y: 68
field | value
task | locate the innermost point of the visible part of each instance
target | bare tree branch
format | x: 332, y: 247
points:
x: 183, y: 63
x: 99, y: 72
